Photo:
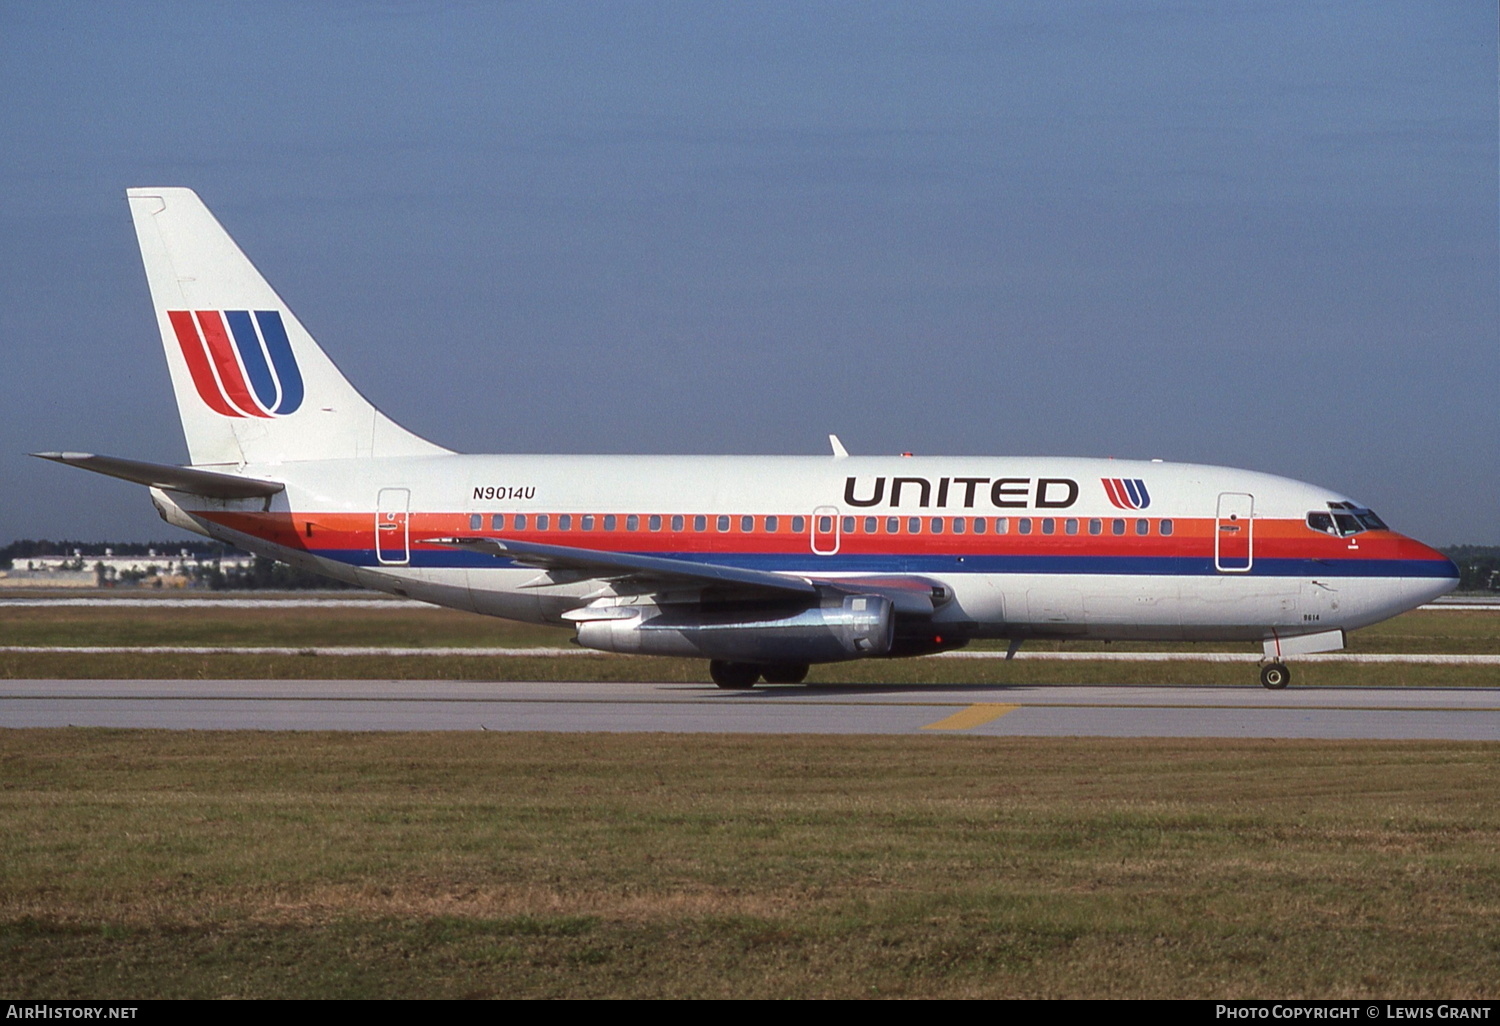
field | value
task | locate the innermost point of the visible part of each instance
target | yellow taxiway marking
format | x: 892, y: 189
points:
x: 973, y: 716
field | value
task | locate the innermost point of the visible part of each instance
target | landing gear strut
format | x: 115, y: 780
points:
x: 1275, y: 676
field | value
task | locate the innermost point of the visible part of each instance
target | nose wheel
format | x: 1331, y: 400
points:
x: 1275, y: 676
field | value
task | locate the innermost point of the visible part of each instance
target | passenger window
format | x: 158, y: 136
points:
x: 1002, y: 525
x: 700, y: 523
x: 609, y: 521
x: 476, y: 521
x: 1048, y: 525
x: 541, y: 521
x: 1096, y: 526
x: 979, y: 525
x: 723, y: 524
x: 825, y: 525
x: 1166, y: 527
x: 799, y: 524
x: 772, y: 524
x: 587, y: 522
x: 871, y: 524
x: 1023, y: 524
x: 678, y: 522
x: 937, y: 525
x: 565, y: 522
x: 520, y: 522
x: 632, y: 522
x: 1070, y: 525
x: 913, y: 525
x: 497, y: 522
x: 1143, y: 527
x: 747, y: 524
x: 892, y: 525
x: 848, y: 525
x: 654, y: 523
x: 959, y: 525
x: 1117, y: 527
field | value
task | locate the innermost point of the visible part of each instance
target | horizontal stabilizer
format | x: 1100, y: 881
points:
x: 615, y: 566
x: 208, y: 483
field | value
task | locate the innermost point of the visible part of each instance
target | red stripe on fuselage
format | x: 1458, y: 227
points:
x: 228, y: 366
x: 1191, y: 538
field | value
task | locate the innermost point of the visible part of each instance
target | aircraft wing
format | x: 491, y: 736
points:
x: 914, y: 595
x: 651, y: 572
x: 208, y: 483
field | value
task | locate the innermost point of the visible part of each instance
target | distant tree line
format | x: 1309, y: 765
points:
x: 26, y: 548
x: 269, y: 574
x: 1478, y: 566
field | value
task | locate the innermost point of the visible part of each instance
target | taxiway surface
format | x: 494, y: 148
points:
x: 1242, y: 712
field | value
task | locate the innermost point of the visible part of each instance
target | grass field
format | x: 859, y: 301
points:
x: 146, y: 864
x: 1422, y: 631
x: 197, y: 864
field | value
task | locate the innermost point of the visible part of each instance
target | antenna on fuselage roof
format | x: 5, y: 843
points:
x: 839, y: 452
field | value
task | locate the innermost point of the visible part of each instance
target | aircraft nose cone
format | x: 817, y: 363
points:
x: 1432, y: 575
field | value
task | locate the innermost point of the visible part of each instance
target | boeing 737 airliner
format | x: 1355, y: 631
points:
x: 762, y: 565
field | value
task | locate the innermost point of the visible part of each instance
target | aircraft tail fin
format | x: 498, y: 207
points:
x: 251, y: 384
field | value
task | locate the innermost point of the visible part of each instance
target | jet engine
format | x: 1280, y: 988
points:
x: 842, y: 627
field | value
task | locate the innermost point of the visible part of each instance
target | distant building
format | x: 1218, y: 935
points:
x: 155, y: 569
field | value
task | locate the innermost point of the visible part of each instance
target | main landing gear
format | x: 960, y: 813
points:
x: 739, y: 676
x: 1275, y: 676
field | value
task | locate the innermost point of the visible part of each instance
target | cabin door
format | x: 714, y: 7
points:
x: 1234, y: 542
x: 392, y: 527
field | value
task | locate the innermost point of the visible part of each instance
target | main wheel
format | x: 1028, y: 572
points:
x: 785, y: 673
x: 1275, y: 676
x: 733, y: 675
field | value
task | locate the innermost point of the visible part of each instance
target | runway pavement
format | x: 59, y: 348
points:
x: 1248, y: 711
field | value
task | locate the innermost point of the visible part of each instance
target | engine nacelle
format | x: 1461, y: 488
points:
x: 857, y: 627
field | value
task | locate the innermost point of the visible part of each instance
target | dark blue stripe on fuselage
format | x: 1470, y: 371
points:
x: 1158, y: 566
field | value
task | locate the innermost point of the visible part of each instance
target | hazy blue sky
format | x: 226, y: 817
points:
x: 1256, y: 234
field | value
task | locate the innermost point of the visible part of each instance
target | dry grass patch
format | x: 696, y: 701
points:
x: 201, y: 864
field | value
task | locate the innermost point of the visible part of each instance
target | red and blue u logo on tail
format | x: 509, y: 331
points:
x: 1126, y: 492
x: 241, y: 361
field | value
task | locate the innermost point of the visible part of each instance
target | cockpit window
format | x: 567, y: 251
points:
x: 1344, y: 519
x: 1321, y: 522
